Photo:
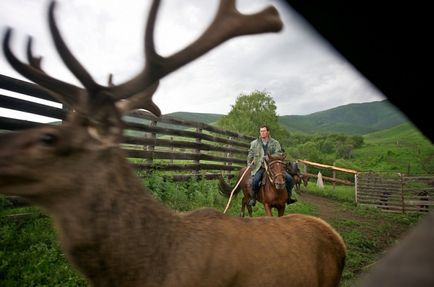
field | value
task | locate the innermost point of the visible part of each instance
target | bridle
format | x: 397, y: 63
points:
x: 272, y: 177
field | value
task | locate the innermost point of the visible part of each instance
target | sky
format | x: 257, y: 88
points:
x: 295, y: 66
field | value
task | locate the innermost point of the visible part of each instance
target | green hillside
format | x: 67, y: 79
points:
x: 351, y: 119
x: 401, y: 148
x: 354, y: 119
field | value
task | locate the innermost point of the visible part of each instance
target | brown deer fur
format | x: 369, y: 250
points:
x: 109, y: 225
x: 118, y: 235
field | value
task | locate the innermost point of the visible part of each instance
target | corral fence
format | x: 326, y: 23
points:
x: 176, y: 148
x: 334, y: 179
x: 183, y: 149
x: 390, y: 192
x: 395, y: 192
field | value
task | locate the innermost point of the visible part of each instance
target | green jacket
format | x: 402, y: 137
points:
x: 256, y: 152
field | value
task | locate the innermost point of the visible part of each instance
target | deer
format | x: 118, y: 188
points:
x: 110, y: 227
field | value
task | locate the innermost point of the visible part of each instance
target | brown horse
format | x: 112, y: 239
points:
x: 297, y: 176
x: 272, y: 193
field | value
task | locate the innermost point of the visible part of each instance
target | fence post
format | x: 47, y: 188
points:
x: 401, y: 180
x: 151, y: 147
x: 229, y: 155
x: 334, y: 177
x: 356, y: 178
x: 171, y: 149
x: 197, y: 151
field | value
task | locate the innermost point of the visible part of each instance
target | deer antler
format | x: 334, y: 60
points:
x: 63, y: 91
x: 137, y: 92
x: 228, y: 23
x: 35, y: 62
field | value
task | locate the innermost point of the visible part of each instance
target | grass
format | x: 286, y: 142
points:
x: 30, y: 254
x: 340, y: 193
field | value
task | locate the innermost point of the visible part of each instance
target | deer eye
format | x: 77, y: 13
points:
x: 48, y: 139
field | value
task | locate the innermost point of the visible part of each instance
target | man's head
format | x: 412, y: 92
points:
x: 264, y: 132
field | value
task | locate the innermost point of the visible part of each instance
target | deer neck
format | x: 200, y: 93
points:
x: 113, y: 225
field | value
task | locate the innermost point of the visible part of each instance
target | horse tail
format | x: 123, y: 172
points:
x: 225, y: 189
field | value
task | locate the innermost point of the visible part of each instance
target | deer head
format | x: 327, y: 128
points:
x: 93, y: 126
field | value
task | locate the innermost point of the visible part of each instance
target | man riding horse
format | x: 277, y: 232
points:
x: 259, y: 150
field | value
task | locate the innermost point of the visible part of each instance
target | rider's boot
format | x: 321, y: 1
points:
x: 290, y: 200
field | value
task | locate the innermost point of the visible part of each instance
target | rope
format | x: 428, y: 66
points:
x: 268, y: 172
x: 238, y: 183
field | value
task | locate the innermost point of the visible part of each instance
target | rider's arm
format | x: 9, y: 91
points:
x: 251, y: 154
x: 277, y: 149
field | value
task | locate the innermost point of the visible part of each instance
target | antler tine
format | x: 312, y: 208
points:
x: 35, y: 62
x: 70, y: 61
x: 110, y: 80
x: 138, y: 101
x: 141, y: 100
x: 62, y: 91
x: 228, y: 23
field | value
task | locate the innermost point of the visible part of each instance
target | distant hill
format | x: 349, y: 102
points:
x: 355, y: 119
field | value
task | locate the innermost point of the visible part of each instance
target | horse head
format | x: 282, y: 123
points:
x: 276, y: 170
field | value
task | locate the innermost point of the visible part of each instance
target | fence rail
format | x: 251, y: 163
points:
x: 390, y: 192
x: 333, y: 168
x: 396, y: 192
x: 164, y: 144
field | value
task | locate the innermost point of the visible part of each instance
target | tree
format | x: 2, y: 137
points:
x: 344, y: 148
x: 250, y: 112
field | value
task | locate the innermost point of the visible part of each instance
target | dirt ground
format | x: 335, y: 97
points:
x: 330, y: 210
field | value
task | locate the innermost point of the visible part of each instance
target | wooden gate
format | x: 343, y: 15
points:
x: 395, y: 192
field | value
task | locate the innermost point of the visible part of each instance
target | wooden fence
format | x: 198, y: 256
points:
x: 395, y: 192
x: 185, y: 148
x: 334, y: 179
x: 391, y: 192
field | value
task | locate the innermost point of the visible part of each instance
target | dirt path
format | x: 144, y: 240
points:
x: 331, y: 210
x: 328, y: 209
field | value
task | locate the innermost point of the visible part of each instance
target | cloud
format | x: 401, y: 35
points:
x: 298, y: 68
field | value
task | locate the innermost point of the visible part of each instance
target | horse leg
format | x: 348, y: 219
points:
x: 280, y: 211
x: 305, y: 182
x: 246, y: 199
x: 250, y: 210
x: 243, y: 206
x: 268, y: 211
